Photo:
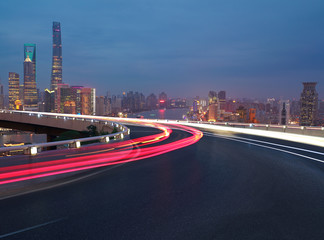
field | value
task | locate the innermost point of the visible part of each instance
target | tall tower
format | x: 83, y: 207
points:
x: 284, y: 112
x: 30, y: 90
x: 308, y: 104
x: 13, y: 89
x: 56, y: 77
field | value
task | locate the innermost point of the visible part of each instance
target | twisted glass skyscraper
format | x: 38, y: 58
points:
x: 56, y: 77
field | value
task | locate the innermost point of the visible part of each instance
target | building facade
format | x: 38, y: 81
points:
x: 49, y: 100
x: 13, y: 89
x: 308, y: 105
x: 30, y: 98
x: 284, y: 112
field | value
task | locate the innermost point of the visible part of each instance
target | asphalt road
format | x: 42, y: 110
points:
x: 219, y: 188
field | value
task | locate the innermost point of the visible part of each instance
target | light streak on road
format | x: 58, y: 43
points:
x: 120, y: 152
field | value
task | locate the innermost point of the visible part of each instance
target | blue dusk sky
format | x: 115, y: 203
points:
x: 251, y: 48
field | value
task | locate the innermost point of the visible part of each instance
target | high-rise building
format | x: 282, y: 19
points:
x: 163, y: 100
x: 30, y: 90
x: 309, y: 105
x: 284, y: 112
x: 76, y: 93
x: 116, y: 103
x: 49, y: 100
x: 13, y: 89
x: 88, y: 101
x: 62, y: 94
x: 212, y: 112
x: 151, y: 102
x: 222, y: 99
x: 56, y: 77
x: 213, y: 107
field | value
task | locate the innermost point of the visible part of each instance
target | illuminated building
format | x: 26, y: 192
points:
x: 49, y: 99
x: 222, y: 99
x: 13, y: 89
x: 76, y: 93
x: 163, y: 99
x: 242, y: 113
x: 56, y: 77
x: 195, y: 105
x: 212, y: 97
x: 151, y: 102
x: 21, y: 92
x: 252, y: 115
x: 178, y: 103
x: 69, y: 107
x: 212, y: 112
x: 284, y: 112
x: 62, y: 94
x: 88, y: 101
x: 75, y: 99
x: 30, y: 90
x: 309, y: 104
x: 18, y: 105
x: 213, y: 107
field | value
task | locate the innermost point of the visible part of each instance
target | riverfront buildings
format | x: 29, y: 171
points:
x: 75, y: 99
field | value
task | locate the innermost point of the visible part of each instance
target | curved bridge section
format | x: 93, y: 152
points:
x: 53, y: 124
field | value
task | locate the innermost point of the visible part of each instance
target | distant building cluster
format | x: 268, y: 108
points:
x: 133, y: 102
x: 306, y: 111
x: 59, y: 97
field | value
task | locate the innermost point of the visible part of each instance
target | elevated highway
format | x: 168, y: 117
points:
x: 225, y: 185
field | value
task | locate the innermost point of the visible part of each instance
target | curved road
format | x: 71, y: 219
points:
x: 223, y: 187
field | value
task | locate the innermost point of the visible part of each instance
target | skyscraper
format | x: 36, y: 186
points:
x: 56, y: 77
x: 284, y: 112
x: 308, y: 104
x: 222, y: 99
x: 163, y: 100
x: 13, y: 89
x: 49, y: 100
x: 30, y: 90
x: 213, y: 108
x: 88, y: 101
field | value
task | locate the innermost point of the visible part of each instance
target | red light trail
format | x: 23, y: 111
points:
x: 115, y: 153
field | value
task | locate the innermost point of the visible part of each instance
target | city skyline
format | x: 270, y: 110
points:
x: 249, y: 50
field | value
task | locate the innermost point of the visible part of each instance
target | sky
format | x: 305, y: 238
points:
x: 251, y: 48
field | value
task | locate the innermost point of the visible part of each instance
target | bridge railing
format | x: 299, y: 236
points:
x: 315, y: 131
x: 33, y: 149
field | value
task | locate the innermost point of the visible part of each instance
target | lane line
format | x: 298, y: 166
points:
x: 272, y: 148
x: 270, y: 143
x: 31, y: 228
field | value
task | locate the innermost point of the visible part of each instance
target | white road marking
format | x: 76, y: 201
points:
x: 270, y: 143
x: 31, y: 228
x: 272, y: 148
